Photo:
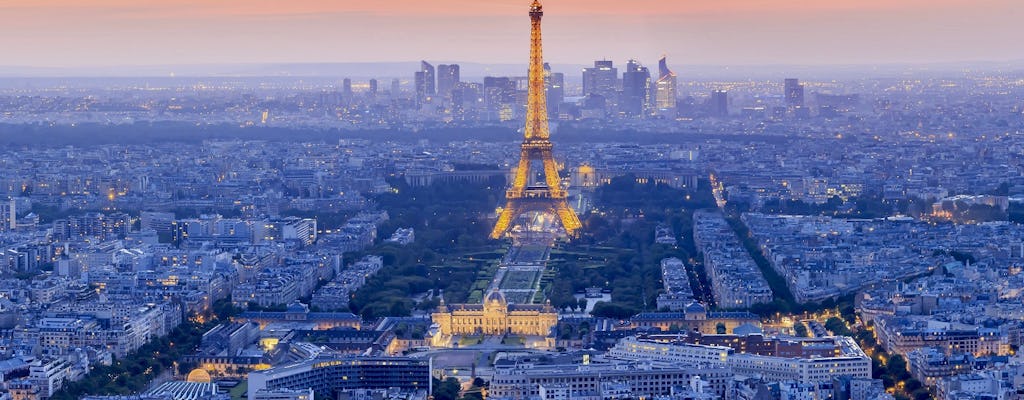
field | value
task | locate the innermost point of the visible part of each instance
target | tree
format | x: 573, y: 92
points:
x: 848, y: 312
x: 921, y: 394
x: 897, y: 368
x: 838, y: 327
x: 720, y: 328
x: 582, y: 303
x: 799, y: 329
x: 612, y: 310
x: 912, y: 385
x: 447, y: 389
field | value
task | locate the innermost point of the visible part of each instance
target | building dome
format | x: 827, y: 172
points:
x: 696, y: 308
x: 495, y: 296
x: 297, y: 307
x: 695, y: 312
x: 199, y: 375
x: 441, y: 306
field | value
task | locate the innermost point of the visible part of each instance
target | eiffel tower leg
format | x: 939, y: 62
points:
x: 570, y: 222
x: 522, y: 172
x: 504, y: 221
x: 551, y: 173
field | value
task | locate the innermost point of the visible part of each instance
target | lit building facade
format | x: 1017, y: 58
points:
x: 695, y: 318
x: 447, y: 79
x: 665, y: 90
x: 495, y: 317
x: 326, y: 376
x: 636, y: 90
x: 585, y: 381
x: 601, y: 80
x: 849, y: 360
x: 425, y: 82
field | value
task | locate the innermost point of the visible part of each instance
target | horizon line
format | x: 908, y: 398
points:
x: 510, y: 63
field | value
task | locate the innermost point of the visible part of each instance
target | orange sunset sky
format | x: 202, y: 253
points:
x: 69, y: 33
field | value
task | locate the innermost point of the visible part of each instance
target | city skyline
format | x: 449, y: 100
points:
x: 55, y: 33
x: 609, y: 229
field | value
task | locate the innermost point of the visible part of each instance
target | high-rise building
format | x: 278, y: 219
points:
x: 9, y: 215
x: 666, y: 93
x: 555, y: 88
x: 794, y: 92
x: 601, y: 80
x: 499, y: 97
x: 467, y: 100
x: 373, y: 87
x: 447, y: 78
x: 425, y: 82
x: 346, y: 91
x: 719, y: 104
x: 396, y: 88
x: 636, y: 90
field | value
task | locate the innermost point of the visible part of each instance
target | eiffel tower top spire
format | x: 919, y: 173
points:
x: 537, y: 104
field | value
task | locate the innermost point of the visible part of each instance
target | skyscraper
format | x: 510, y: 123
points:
x: 499, y: 97
x: 601, y: 80
x: 396, y: 88
x: 447, y: 79
x: 425, y: 82
x: 373, y: 87
x: 636, y: 90
x: 794, y: 93
x: 467, y: 100
x: 346, y: 89
x: 555, y: 88
x: 12, y: 215
x: 665, y: 95
x: 719, y: 103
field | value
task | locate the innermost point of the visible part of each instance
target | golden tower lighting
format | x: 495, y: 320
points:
x: 520, y: 196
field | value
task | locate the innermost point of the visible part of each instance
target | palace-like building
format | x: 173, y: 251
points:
x: 299, y: 314
x: 696, y: 318
x: 495, y: 317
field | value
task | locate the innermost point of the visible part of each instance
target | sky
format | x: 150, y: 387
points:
x: 90, y: 33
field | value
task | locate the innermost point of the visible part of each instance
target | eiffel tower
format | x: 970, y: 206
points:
x: 522, y: 196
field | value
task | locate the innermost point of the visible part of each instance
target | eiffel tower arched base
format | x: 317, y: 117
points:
x: 556, y: 207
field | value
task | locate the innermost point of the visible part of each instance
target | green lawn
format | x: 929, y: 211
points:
x: 519, y: 280
x: 239, y: 392
x: 470, y: 341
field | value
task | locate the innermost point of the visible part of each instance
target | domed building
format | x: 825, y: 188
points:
x: 199, y: 375
x: 495, y: 317
x: 695, y: 317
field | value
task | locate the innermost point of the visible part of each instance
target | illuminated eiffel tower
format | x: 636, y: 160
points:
x: 522, y: 196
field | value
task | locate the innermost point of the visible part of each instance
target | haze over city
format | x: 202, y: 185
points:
x: 70, y: 34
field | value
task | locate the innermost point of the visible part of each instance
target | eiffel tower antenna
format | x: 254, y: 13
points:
x: 520, y: 196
